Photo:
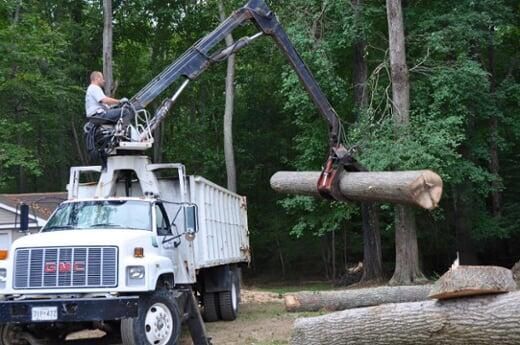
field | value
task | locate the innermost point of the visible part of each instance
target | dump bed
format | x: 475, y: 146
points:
x: 223, y: 236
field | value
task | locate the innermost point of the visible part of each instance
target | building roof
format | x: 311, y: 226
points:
x: 41, y: 205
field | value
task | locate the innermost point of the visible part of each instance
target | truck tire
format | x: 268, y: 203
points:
x: 8, y: 335
x: 229, y: 300
x: 210, y: 307
x: 16, y: 335
x: 158, y: 321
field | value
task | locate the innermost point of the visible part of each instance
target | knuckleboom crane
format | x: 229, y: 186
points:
x: 137, y: 135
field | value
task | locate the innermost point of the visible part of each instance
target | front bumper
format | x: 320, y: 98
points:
x: 71, y: 310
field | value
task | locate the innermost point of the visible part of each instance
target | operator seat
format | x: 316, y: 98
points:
x: 100, y: 121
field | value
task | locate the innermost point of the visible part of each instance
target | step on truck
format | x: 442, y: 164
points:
x: 136, y: 251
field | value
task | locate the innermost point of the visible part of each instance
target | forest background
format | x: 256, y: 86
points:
x: 463, y: 59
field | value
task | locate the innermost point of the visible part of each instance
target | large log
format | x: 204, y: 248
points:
x: 420, y: 188
x: 481, y: 320
x: 472, y: 281
x: 355, y: 298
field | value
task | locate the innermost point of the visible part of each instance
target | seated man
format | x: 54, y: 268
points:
x: 97, y: 104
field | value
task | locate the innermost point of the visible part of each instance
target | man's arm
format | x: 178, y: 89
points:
x: 100, y: 96
x: 109, y: 101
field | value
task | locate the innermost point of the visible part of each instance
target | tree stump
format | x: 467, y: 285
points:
x: 462, y: 281
x: 355, y: 298
x: 480, y: 320
x: 421, y: 188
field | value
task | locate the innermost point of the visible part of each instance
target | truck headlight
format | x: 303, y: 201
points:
x: 135, y: 272
x: 3, y: 276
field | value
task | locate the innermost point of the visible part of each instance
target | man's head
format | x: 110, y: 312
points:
x: 96, y: 77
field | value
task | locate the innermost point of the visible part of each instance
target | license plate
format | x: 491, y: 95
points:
x: 44, y: 313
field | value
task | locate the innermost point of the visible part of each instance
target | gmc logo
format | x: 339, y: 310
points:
x: 64, y: 267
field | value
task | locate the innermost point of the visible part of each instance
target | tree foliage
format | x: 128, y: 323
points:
x: 464, y: 73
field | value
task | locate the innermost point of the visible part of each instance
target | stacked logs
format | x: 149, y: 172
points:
x: 473, y: 305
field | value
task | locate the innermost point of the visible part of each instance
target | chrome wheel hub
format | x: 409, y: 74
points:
x: 158, y: 324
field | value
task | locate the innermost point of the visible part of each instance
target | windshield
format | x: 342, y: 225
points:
x: 127, y: 214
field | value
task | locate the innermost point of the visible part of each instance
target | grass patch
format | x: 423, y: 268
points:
x: 251, y: 312
x: 282, y: 289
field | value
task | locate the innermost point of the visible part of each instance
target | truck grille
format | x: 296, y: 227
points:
x: 88, y: 267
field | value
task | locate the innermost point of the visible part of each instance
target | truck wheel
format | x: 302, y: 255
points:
x: 158, y: 322
x: 8, y: 335
x: 229, y: 300
x: 209, y: 310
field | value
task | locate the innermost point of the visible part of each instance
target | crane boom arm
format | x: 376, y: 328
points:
x: 198, y: 58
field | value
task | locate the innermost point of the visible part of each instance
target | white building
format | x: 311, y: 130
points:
x: 41, y: 206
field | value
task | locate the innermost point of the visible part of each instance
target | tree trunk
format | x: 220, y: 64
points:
x: 229, y: 154
x: 355, y: 298
x: 372, y: 257
x: 16, y: 16
x: 407, y: 254
x: 407, y: 270
x: 345, y: 246
x: 333, y: 253
x: 360, y: 74
x: 494, y: 163
x: 80, y: 151
x: 107, y: 46
x: 461, y: 281
x: 399, y: 69
x: 280, y: 256
x: 480, y: 320
x: 421, y: 188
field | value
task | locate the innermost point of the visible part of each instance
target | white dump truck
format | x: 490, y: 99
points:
x: 127, y: 252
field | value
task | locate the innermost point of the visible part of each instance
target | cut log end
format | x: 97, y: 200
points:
x: 473, y: 281
x: 291, y: 303
x: 428, y: 190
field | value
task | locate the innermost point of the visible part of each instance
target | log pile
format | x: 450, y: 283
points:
x: 472, y: 306
x: 421, y: 188
x: 482, y: 320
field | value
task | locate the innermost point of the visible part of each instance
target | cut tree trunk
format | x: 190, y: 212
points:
x: 420, y: 188
x: 473, y: 280
x: 355, y: 298
x: 481, y: 320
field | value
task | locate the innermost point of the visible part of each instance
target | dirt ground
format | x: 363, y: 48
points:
x: 262, y: 320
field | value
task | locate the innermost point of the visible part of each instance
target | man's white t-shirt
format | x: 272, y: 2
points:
x: 93, y: 99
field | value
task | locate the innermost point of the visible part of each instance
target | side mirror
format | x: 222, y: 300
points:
x: 190, y: 218
x: 24, y: 217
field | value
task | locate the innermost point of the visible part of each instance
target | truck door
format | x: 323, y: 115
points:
x: 164, y: 231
